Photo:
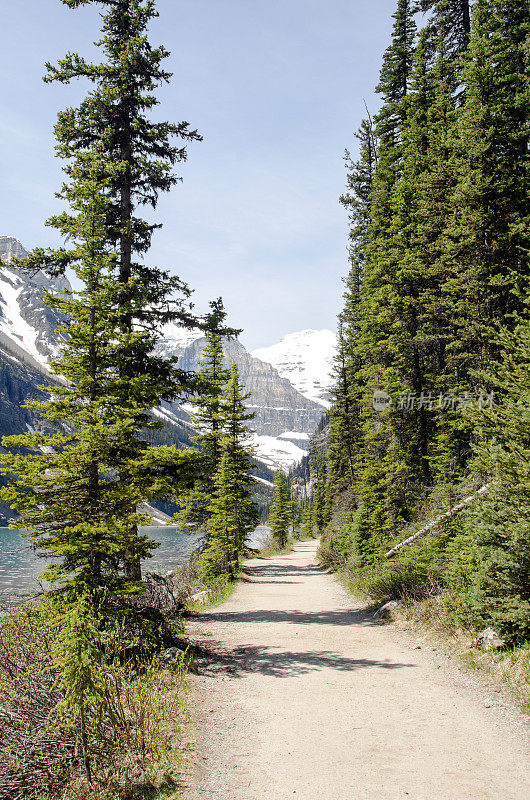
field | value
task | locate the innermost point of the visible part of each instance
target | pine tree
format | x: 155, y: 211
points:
x: 501, y: 525
x: 382, y: 340
x: 231, y: 513
x: 138, y: 154
x: 451, y: 21
x: 394, y: 83
x: 136, y: 158
x: 77, y: 489
x: 212, y: 378
x: 297, y: 513
x: 224, y: 526
x: 488, y: 233
x: 320, y: 506
x: 345, y: 438
x: 307, y: 531
x: 207, y: 419
x: 280, y: 516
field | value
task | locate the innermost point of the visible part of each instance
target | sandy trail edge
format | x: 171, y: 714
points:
x: 310, y: 698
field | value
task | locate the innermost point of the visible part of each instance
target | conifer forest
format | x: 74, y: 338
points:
x: 416, y: 482
x: 431, y: 401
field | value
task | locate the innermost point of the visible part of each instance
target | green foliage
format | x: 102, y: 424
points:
x: 297, y: 514
x: 501, y: 528
x: 280, y: 518
x: 413, y: 575
x: 230, y: 511
x: 438, y: 207
x: 351, y: 545
x: 307, y: 527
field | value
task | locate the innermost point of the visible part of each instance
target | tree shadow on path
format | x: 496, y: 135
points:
x: 267, y: 570
x: 244, y: 660
x: 295, y: 617
x: 217, y: 660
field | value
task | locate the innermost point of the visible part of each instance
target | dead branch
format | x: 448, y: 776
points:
x: 447, y: 515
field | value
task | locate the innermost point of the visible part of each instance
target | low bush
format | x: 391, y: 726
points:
x: 36, y: 754
x: 85, y: 710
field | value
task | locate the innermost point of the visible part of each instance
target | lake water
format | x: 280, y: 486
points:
x: 20, y: 567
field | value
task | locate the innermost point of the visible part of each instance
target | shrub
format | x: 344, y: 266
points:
x: 82, y: 706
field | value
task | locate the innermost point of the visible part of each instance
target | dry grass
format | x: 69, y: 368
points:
x: 35, y: 753
x: 136, y: 751
x: 150, y: 762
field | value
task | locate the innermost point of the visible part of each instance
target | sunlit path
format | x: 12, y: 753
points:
x: 309, y: 698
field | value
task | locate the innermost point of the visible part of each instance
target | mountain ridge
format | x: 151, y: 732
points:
x: 284, y: 419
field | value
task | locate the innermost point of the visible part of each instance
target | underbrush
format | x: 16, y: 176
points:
x: 82, y: 716
x: 412, y: 576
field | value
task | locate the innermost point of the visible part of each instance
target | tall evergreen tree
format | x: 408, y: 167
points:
x: 138, y: 153
x: 394, y: 84
x: 231, y: 512
x: 307, y: 531
x: 488, y: 237
x: 212, y: 378
x: 382, y: 339
x: 451, y: 20
x: 280, y: 516
x: 346, y: 415
x: 207, y: 419
x: 320, y: 506
x: 71, y: 490
x: 501, y: 524
x: 135, y: 162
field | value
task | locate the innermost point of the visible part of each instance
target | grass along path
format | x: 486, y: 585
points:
x: 306, y: 696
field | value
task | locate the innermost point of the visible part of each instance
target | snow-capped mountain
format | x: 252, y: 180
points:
x: 27, y: 325
x: 288, y: 382
x: 305, y: 358
x: 176, y: 340
x: 284, y: 419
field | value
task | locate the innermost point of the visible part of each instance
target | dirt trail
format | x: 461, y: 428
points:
x: 312, y: 699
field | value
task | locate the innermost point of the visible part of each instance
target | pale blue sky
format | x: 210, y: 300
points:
x: 276, y: 87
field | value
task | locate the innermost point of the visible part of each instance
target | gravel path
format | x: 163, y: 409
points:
x: 308, y: 697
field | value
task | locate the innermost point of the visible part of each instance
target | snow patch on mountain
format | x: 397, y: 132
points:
x: 276, y: 453
x: 289, y: 381
x: 175, y: 340
x: 20, y: 302
x: 305, y: 358
x: 28, y: 326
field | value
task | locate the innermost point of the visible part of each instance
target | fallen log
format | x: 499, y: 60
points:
x: 447, y: 515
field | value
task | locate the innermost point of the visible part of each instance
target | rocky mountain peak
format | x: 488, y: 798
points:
x: 28, y: 326
x: 11, y: 248
x: 305, y: 358
x: 284, y: 419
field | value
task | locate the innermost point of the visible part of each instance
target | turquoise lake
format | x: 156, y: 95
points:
x: 20, y: 567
